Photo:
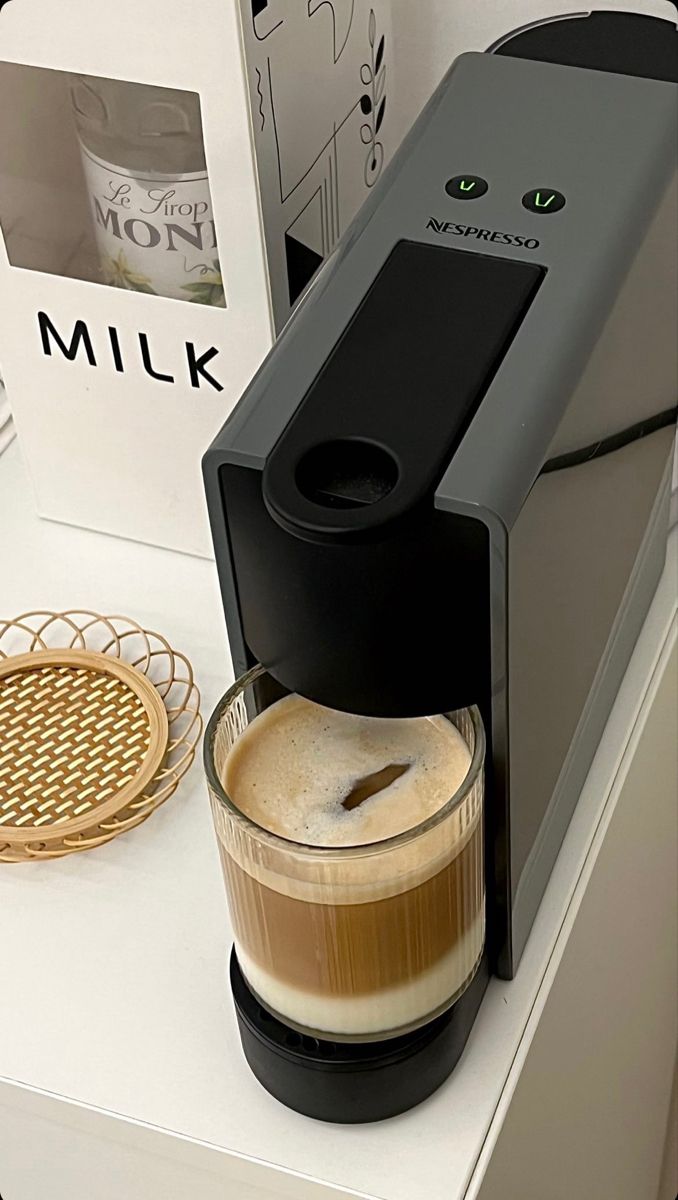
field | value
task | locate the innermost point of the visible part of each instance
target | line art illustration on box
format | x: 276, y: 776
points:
x: 342, y: 19
x: 260, y: 94
x: 373, y: 104
x: 260, y: 7
x: 319, y: 138
x: 306, y: 243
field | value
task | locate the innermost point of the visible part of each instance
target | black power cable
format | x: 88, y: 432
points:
x: 633, y: 433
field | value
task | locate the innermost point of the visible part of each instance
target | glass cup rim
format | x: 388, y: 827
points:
x: 332, y: 852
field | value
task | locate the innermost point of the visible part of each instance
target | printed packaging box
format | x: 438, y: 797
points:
x: 170, y: 183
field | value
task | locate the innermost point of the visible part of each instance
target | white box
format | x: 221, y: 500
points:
x: 117, y: 392
x: 116, y: 449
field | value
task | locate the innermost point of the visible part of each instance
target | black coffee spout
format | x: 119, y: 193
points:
x: 375, y: 432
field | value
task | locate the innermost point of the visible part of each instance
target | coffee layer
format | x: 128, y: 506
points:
x: 389, y: 1011
x: 349, y: 949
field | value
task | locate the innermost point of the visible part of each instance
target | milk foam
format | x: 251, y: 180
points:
x: 297, y: 762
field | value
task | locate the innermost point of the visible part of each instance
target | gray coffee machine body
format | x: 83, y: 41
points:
x: 448, y: 483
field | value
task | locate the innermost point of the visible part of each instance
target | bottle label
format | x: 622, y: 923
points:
x: 155, y: 233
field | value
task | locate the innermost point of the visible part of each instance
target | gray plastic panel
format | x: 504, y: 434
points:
x: 606, y: 142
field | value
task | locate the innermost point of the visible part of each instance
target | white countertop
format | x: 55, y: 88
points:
x: 113, y: 983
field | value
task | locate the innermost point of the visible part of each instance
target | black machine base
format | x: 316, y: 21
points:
x: 353, y: 1082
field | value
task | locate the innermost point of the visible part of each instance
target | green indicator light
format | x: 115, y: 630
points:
x: 544, y: 200
x: 466, y: 187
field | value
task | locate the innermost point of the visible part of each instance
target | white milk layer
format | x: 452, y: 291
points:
x: 384, y: 1011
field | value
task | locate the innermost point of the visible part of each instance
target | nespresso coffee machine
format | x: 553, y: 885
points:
x: 448, y: 484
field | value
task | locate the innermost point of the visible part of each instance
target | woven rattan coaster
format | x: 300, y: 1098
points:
x: 81, y: 734
x: 90, y: 744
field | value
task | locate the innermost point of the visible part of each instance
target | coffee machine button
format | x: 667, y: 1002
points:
x: 543, y: 200
x: 466, y: 187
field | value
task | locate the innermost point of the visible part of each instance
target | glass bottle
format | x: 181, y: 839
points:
x: 143, y: 157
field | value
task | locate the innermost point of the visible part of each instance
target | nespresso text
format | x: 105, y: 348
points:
x: 81, y: 343
x: 485, y: 235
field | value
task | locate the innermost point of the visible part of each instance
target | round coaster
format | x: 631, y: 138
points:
x: 82, y: 734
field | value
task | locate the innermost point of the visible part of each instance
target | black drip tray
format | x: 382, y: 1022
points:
x: 353, y: 1082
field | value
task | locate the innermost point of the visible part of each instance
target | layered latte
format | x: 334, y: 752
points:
x: 355, y: 877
